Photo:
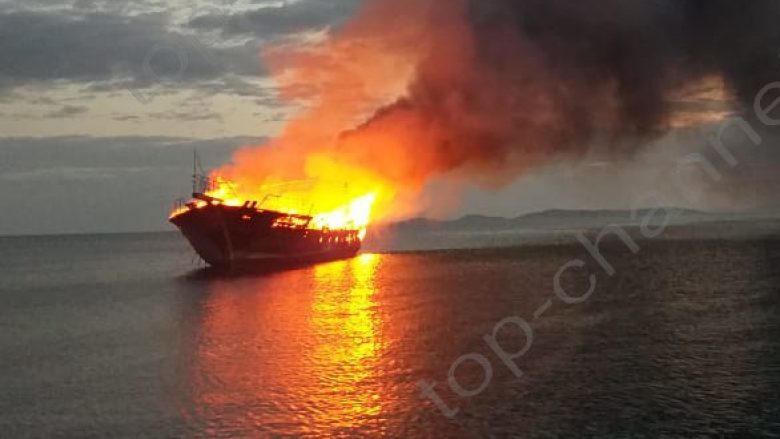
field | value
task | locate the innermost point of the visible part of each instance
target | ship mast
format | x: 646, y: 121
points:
x: 194, y: 170
x: 200, y: 183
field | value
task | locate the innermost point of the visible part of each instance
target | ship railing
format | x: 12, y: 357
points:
x: 179, y: 205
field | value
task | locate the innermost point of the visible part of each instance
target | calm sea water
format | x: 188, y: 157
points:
x: 104, y: 336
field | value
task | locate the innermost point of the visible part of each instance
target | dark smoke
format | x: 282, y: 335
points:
x: 508, y: 84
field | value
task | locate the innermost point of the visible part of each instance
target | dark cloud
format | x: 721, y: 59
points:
x: 275, y: 20
x: 120, y: 47
x: 37, y: 47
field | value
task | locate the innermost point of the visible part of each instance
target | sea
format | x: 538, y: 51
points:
x: 672, y: 335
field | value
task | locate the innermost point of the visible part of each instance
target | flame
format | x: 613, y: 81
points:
x: 335, y: 195
x: 181, y: 208
x: 337, y: 211
x: 354, y: 216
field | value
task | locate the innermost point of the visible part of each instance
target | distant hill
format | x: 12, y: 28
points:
x: 555, y: 227
x: 549, y: 219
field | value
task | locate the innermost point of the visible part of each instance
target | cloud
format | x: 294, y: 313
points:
x: 23, y: 154
x: 126, y: 118
x: 142, y: 50
x: 110, y: 45
x: 187, y: 116
x: 67, y: 111
x: 276, y: 20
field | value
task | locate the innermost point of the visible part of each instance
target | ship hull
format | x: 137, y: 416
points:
x: 249, y: 239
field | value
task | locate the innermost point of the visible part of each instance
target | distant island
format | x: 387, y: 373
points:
x: 554, y: 219
x: 550, y: 226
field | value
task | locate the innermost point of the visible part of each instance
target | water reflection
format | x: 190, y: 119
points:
x: 293, y: 353
x: 344, y: 318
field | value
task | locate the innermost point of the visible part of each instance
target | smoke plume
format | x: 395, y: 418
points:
x: 409, y: 90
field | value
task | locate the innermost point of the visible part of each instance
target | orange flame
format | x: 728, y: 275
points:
x: 332, y: 206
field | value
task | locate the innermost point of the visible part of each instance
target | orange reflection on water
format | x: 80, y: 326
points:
x: 295, y: 353
x: 346, y: 322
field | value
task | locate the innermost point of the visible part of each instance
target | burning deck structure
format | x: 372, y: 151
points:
x: 248, y: 236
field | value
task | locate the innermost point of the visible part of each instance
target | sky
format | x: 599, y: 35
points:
x: 103, y: 102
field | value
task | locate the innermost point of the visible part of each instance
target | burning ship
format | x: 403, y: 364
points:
x: 231, y: 233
